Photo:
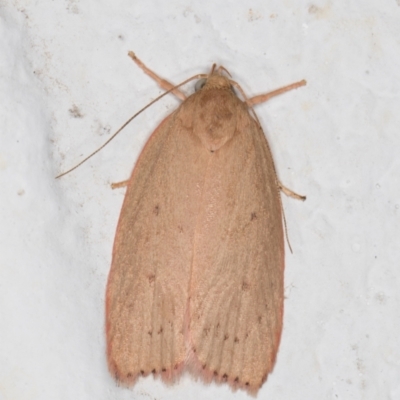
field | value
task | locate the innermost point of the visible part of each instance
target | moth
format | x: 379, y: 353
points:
x: 196, y: 280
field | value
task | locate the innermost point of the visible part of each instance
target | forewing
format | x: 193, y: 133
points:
x: 236, y: 288
x: 147, y: 291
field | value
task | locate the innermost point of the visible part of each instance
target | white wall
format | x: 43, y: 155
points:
x: 67, y: 84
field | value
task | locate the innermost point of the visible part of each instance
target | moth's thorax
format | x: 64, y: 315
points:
x: 217, y: 108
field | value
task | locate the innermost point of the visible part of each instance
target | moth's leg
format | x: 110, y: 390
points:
x: 117, y: 185
x: 261, y: 98
x: 161, y: 82
x: 290, y: 193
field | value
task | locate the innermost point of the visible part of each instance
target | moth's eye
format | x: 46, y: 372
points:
x: 199, y: 84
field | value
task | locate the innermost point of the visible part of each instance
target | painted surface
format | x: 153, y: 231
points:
x: 67, y: 84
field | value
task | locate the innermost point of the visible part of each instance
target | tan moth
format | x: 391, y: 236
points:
x: 196, y: 279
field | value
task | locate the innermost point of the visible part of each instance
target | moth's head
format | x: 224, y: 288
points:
x: 218, y: 78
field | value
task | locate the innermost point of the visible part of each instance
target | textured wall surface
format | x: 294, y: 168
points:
x: 66, y: 84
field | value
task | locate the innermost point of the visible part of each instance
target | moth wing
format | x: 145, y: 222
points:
x: 147, y: 290
x: 238, y: 263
